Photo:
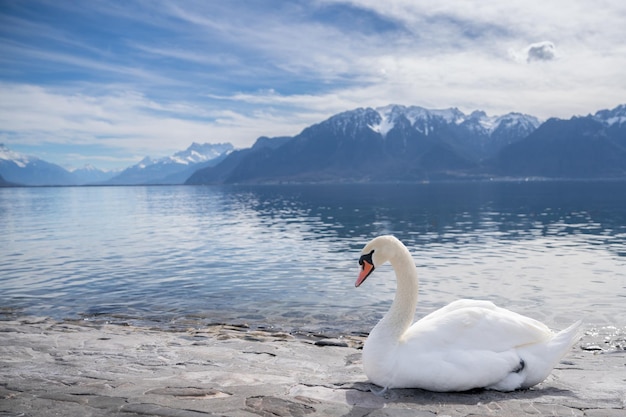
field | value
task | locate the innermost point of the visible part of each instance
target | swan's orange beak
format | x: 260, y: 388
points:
x: 366, y: 270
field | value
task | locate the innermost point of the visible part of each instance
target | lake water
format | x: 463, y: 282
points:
x: 285, y: 257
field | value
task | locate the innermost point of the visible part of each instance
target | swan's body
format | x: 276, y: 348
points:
x: 464, y: 345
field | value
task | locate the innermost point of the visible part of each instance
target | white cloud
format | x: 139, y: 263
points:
x: 539, y: 51
x: 542, y: 51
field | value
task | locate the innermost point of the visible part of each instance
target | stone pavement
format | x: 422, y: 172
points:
x: 50, y: 368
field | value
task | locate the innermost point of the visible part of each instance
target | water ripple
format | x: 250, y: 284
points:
x: 286, y: 256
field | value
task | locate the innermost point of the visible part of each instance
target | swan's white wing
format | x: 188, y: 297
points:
x: 475, y: 325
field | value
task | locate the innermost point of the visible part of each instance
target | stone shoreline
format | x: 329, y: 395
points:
x: 84, y: 369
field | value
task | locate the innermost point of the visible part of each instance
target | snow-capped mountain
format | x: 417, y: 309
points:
x: 477, y: 133
x: 17, y: 158
x: 407, y: 143
x: 390, y: 142
x: 197, y: 153
x: 17, y: 168
x: 425, y: 120
x: 174, y: 169
x: 614, y: 117
x: 89, y: 174
x: 23, y: 169
x: 421, y: 119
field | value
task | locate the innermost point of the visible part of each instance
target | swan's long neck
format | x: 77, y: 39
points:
x: 402, y: 311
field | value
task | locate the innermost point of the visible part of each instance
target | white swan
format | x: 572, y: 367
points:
x: 465, y: 345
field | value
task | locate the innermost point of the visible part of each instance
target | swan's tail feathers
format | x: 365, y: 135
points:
x: 545, y: 356
x: 562, y: 342
x: 568, y: 337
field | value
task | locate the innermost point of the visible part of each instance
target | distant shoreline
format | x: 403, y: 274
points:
x: 346, y: 182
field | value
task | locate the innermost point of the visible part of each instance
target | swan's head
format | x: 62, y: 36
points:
x: 380, y: 250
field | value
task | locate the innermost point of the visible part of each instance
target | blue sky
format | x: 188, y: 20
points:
x: 109, y: 82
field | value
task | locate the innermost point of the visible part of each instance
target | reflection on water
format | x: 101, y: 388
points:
x: 285, y: 256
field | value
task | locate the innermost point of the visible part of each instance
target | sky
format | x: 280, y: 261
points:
x: 108, y: 82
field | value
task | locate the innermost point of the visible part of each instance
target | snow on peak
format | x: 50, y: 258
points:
x: 616, y: 120
x: 390, y: 114
x: 616, y: 116
x: 194, y: 154
x: 146, y: 162
x: 423, y: 120
x: 451, y: 115
x: 197, y: 153
x: 420, y: 118
x: 86, y: 169
x: 19, y: 159
x: 480, y: 118
x: 524, y: 121
x: 387, y: 120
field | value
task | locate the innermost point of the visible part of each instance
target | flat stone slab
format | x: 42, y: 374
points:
x: 85, y: 369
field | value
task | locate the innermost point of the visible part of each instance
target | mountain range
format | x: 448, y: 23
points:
x: 391, y: 143
x: 173, y: 169
x: 399, y: 143
x: 19, y: 169
x: 16, y: 168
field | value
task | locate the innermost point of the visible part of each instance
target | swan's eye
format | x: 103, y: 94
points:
x: 367, y: 258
